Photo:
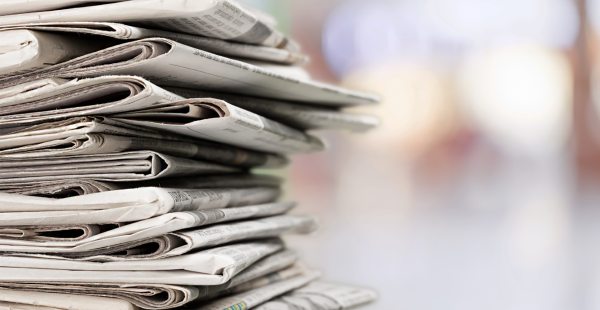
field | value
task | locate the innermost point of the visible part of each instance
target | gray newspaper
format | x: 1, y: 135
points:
x: 275, y: 267
x: 168, y: 63
x: 94, y: 236
x: 209, y: 267
x: 321, y: 296
x: 25, y: 300
x: 126, y: 205
x: 222, y: 19
x: 46, y: 32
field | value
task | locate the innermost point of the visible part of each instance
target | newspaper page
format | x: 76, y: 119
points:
x: 100, y: 143
x: 210, y: 267
x: 101, y: 95
x: 255, y: 297
x: 161, y: 296
x: 292, y: 114
x: 128, y: 32
x: 321, y: 296
x: 9, y: 7
x: 233, y: 126
x: 222, y: 19
x: 93, y: 236
x: 168, y: 63
x: 78, y: 187
x: 25, y: 51
x: 125, y: 166
x: 174, y: 244
x: 126, y: 205
x: 16, y: 299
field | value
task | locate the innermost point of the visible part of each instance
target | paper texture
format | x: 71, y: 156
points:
x: 209, y: 267
x: 292, y: 114
x: 126, y: 205
x: 255, y: 297
x: 28, y: 238
x: 222, y: 19
x: 8, y: 7
x: 128, y: 32
x: 321, y: 296
x: 168, y: 63
x: 43, y: 301
x: 227, y: 124
x: 162, y: 296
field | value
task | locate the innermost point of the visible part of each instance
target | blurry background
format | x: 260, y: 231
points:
x: 481, y: 189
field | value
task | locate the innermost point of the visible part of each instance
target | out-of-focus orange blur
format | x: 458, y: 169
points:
x: 481, y: 188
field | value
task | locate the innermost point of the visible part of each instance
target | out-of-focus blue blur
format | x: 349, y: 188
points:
x: 481, y: 189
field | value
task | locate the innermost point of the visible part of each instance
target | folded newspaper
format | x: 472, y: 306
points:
x: 271, y: 269
x: 209, y: 267
x: 48, y: 32
x: 168, y: 63
x: 122, y: 206
x: 11, y: 299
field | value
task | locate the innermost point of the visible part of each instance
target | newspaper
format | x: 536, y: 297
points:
x: 76, y: 187
x: 100, y: 143
x: 209, y: 267
x: 23, y: 51
x: 126, y: 205
x: 321, y: 296
x: 255, y: 297
x: 161, y: 296
x: 222, y: 19
x: 125, y: 166
x: 128, y: 32
x: 219, y: 121
x: 9, y: 7
x: 295, y: 115
x: 24, y: 300
x: 168, y: 245
x: 102, y: 95
x: 168, y: 63
x: 32, y: 238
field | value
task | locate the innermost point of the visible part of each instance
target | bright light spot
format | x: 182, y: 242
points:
x: 521, y: 97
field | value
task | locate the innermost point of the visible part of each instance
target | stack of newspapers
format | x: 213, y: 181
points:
x: 129, y: 131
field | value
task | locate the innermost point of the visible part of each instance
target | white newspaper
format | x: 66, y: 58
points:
x: 295, y: 115
x: 222, y: 19
x: 255, y: 297
x: 169, y: 245
x: 125, y: 166
x: 168, y: 63
x: 128, y: 32
x: 76, y: 187
x: 97, y: 96
x: 219, y: 121
x: 23, y: 51
x: 36, y: 239
x: 126, y: 205
x: 164, y: 296
x: 24, y: 300
x: 209, y: 267
x: 9, y: 7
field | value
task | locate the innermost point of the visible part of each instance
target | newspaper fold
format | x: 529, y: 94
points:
x: 126, y: 205
x: 209, y: 267
x: 75, y: 187
x: 64, y: 233
x: 23, y: 51
x: 24, y: 300
x: 125, y: 166
x: 168, y: 63
x: 275, y: 267
x: 164, y: 246
x: 222, y: 19
x: 138, y: 231
x: 219, y: 121
x: 255, y: 297
x: 128, y: 32
x: 59, y: 98
x: 292, y: 114
x: 321, y: 296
